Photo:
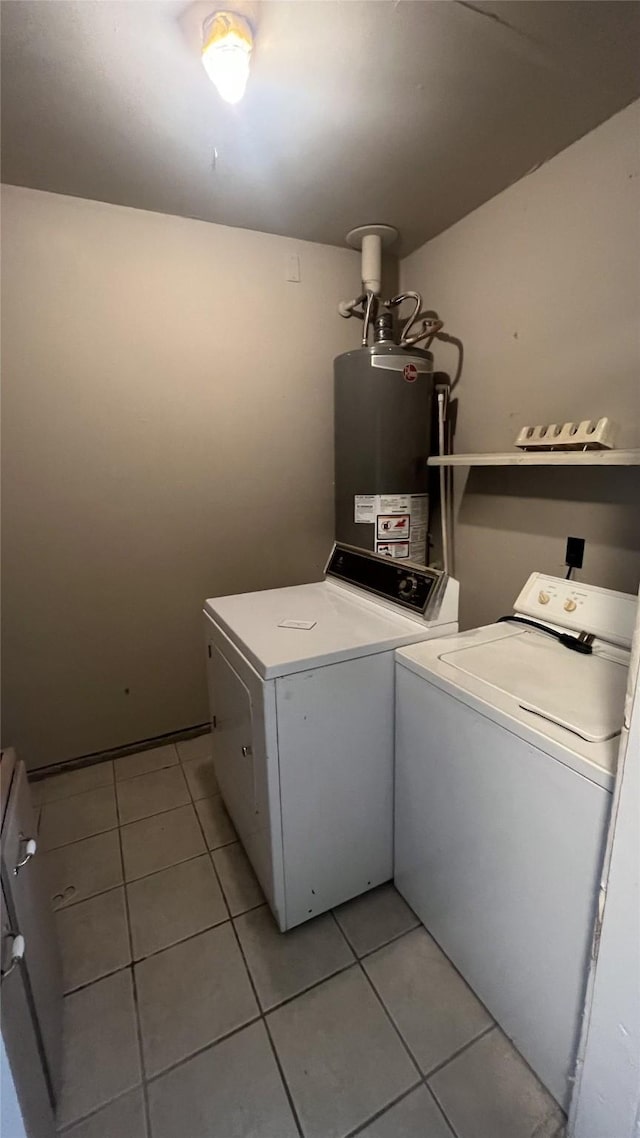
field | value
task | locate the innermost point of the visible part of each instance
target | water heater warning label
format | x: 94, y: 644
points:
x: 397, y: 549
x: 393, y: 527
x: 366, y: 508
x: 400, y: 519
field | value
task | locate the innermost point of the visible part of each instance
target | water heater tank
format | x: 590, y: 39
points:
x: 383, y: 406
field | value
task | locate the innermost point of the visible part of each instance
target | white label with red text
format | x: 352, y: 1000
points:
x: 393, y: 527
x: 395, y: 549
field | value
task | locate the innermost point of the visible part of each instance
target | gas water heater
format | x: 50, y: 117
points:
x: 383, y: 409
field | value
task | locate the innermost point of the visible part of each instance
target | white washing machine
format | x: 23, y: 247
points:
x: 506, y: 745
x: 301, y: 688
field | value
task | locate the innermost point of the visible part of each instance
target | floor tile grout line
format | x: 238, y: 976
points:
x: 386, y: 943
x: 143, y: 1077
x: 155, y: 1076
x: 383, y: 944
x: 96, y: 980
x: 380, y: 1113
x: 390, y: 1018
x: 263, y: 1017
x: 251, y: 908
x: 95, y: 834
x: 342, y: 933
x: 92, y: 1114
x: 123, y: 825
x: 256, y: 997
x: 136, y: 1003
x: 494, y: 1026
x: 262, y: 1014
x: 118, y: 884
x: 65, y: 797
x: 310, y: 987
x: 377, y: 994
x: 117, y: 801
x: 455, y: 968
x: 125, y: 968
x: 182, y: 940
x: 145, y: 774
x: 152, y: 770
x: 156, y: 813
x: 114, y: 784
x: 213, y: 864
x: 83, y: 900
x: 460, y: 1051
x: 285, y: 1085
x: 440, y: 1109
x: 192, y: 857
x: 207, y: 798
x: 304, y: 991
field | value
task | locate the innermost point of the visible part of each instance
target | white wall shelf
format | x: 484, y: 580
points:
x: 542, y: 458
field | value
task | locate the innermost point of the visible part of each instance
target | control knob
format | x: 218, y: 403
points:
x: 544, y: 598
x: 570, y: 605
x: 408, y: 587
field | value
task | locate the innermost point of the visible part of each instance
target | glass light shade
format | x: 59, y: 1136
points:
x: 226, y: 53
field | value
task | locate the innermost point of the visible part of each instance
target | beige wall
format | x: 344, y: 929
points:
x: 168, y: 436
x: 542, y: 285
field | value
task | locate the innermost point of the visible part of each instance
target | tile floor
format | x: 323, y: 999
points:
x: 188, y: 1015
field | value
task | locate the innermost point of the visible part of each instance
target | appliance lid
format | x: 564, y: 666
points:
x: 584, y: 694
x: 287, y: 630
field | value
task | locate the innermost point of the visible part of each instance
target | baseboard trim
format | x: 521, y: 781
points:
x: 96, y: 757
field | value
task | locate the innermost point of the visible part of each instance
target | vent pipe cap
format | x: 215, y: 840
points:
x: 371, y: 239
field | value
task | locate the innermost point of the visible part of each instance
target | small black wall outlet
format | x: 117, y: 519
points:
x: 575, y: 552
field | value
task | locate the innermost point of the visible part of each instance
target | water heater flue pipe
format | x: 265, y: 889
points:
x: 372, y: 263
x: 371, y: 239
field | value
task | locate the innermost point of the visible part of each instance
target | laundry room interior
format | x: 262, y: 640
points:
x: 320, y: 565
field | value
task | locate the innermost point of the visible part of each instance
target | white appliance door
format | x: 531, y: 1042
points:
x: 245, y: 756
x: 233, y: 742
x: 498, y: 849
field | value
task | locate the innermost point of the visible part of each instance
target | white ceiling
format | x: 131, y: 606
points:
x: 410, y: 112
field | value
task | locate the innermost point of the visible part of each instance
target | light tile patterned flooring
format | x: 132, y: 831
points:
x: 188, y: 1015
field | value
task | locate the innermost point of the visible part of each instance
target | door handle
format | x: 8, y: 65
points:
x: 17, y: 955
x: 247, y: 752
x: 30, y: 848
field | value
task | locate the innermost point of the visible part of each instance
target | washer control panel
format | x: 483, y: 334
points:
x: 582, y: 608
x: 413, y: 586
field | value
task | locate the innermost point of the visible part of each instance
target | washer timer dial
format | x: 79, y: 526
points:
x: 407, y: 587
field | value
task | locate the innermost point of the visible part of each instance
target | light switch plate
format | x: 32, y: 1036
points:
x: 293, y: 268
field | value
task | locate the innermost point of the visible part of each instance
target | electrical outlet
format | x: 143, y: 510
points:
x: 575, y: 552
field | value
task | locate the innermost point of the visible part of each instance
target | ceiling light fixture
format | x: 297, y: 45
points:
x: 226, y: 52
